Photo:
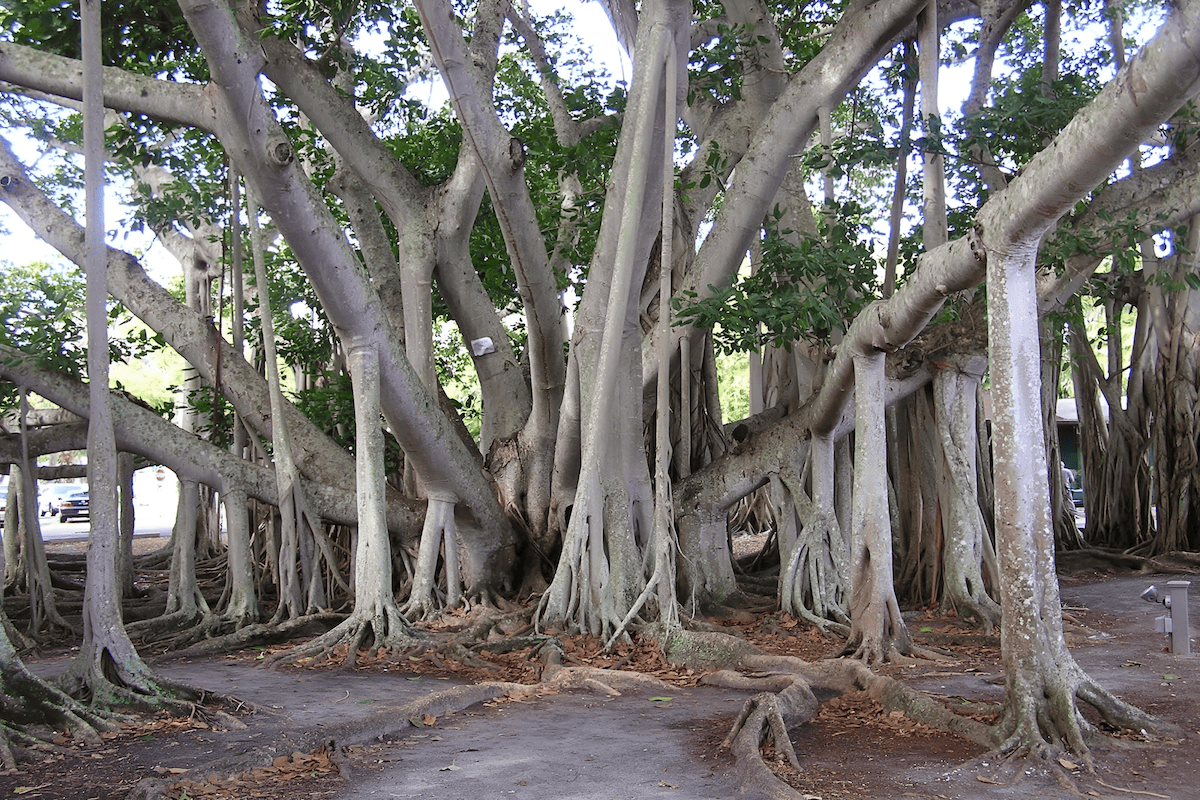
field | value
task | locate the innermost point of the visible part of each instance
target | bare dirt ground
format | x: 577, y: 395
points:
x: 544, y: 745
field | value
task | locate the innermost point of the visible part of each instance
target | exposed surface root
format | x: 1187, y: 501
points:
x: 399, y: 722
x: 32, y: 711
x: 786, y: 699
x: 389, y: 723
x: 167, y: 624
x: 609, y: 682
x: 1105, y: 559
x: 261, y: 634
x: 385, y: 630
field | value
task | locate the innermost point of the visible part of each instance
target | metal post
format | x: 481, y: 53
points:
x: 1181, y: 633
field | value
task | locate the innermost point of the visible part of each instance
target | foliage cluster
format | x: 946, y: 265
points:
x: 805, y: 289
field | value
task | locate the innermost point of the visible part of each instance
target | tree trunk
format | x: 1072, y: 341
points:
x: 254, y: 137
x: 108, y: 669
x: 877, y: 630
x: 1177, y: 414
x: 967, y: 554
x: 43, y: 612
x: 1042, y: 680
x: 814, y: 573
x: 376, y: 612
x: 600, y: 573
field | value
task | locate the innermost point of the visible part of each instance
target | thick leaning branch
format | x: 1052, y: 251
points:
x: 142, y: 432
x: 1127, y: 111
x: 167, y: 101
x: 503, y: 158
x: 854, y: 47
x: 442, y: 212
x: 184, y: 329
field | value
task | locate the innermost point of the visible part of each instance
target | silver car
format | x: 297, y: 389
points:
x: 73, y: 506
x: 51, y: 496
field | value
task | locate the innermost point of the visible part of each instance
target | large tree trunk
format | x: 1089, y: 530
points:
x: 600, y: 573
x: 877, y: 630
x: 300, y: 579
x: 968, y: 555
x: 1117, y: 478
x: 43, y: 611
x: 1062, y: 506
x: 814, y: 569
x: 107, y: 669
x: 1177, y: 414
x: 1042, y: 679
x: 376, y: 612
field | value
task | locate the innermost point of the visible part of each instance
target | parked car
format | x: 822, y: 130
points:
x: 51, y: 496
x: 73, y: 506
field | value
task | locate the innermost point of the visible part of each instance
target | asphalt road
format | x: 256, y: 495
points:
x: 147, y: 522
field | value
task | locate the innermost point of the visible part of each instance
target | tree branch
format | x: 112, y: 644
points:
x: 167, y: 101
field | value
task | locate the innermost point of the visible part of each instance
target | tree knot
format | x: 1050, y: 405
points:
x: 516, y: 153
x: 280, y: 152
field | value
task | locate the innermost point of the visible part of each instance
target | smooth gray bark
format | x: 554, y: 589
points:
x: 257, y: 143
x: 877, y: 631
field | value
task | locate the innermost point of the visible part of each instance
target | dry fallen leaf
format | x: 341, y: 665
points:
x: 1067, y: 763
x: 429, y: 719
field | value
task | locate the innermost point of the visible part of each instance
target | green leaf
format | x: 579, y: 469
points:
x: 661, y: 699
x: 1170, y: 677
